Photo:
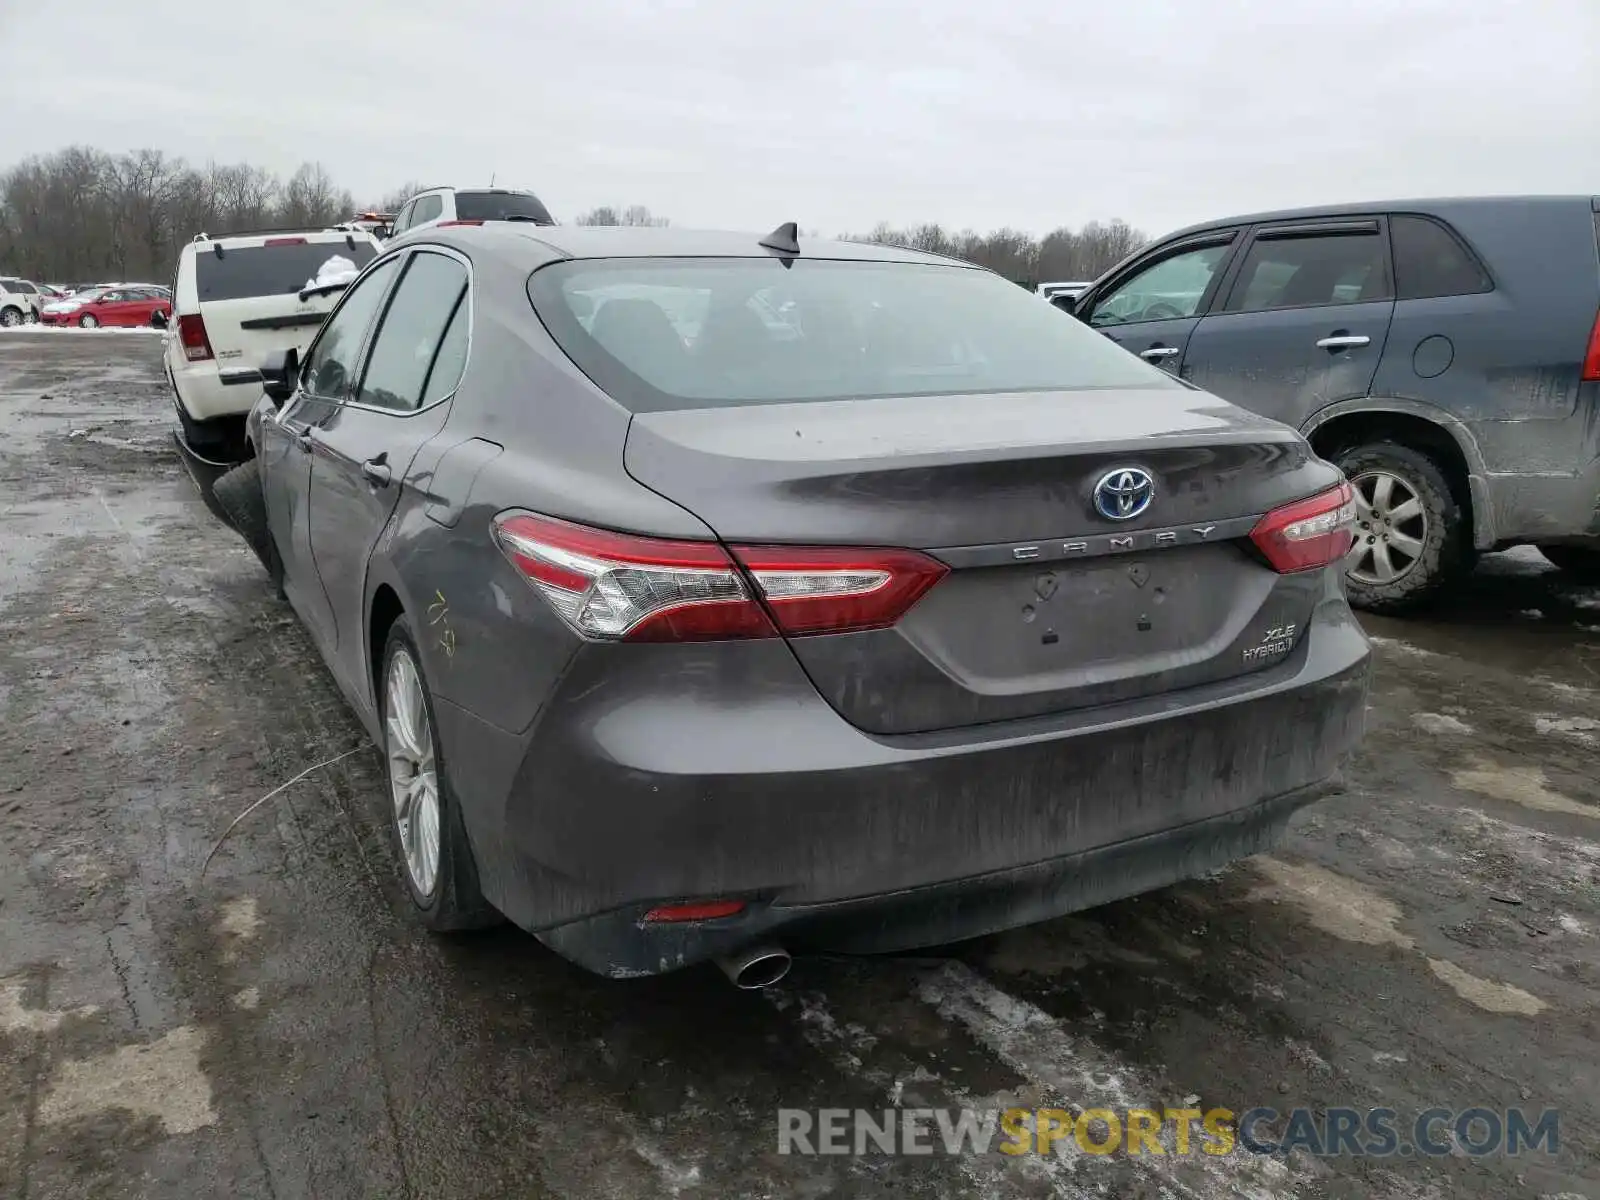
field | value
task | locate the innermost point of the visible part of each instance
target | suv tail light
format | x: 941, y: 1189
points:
x: 192, y: 336
x: 619, y: 587
x: 1308, y: 533
x: 1591, y: 360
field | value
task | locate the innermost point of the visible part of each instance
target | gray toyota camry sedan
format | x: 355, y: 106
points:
x: 713, y: 595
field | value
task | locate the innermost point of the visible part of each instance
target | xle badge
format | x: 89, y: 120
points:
x: 1277, y: 641
x: 1138, y: 574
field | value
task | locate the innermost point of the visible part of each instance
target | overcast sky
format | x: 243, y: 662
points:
x: 745, y: 113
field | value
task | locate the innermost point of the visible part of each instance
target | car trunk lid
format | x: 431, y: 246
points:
x: 1049, y: 604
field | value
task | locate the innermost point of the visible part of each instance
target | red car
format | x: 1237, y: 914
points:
x: 111, y: 307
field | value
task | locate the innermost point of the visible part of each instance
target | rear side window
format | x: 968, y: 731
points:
x: 1301, y: 272
x: 663, y: 333
x: 251, y: 271
x: 1430, y: 261
x: 407, y: 344
x: 501, y: 206
x: 427, y: 209
x: 451, y: 360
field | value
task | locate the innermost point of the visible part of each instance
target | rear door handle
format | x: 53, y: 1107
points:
x: 1156, y: 352
x: 376, y: 471
x: 1343, y: 341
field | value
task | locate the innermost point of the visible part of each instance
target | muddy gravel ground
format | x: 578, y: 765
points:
x: 280, y: 1028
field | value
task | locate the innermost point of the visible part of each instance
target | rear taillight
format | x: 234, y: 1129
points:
x: 615, y: 586
x: 192, y: 336
x: 1591, y: 360
x: 443, y: 224
x: 1308, y: 533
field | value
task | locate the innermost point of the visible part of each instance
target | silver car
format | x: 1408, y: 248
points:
x: 712, y: 595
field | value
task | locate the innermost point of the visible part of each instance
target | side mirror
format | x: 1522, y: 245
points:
x: 280, y: 372
x: 158, y: 319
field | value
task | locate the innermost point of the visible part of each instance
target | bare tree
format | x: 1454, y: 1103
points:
x: 81, y: 213
x: 634, y: 214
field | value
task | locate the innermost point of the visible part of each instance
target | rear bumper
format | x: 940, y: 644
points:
x: 729, y: 776
x: 617, y: 944
x: 204, y: 396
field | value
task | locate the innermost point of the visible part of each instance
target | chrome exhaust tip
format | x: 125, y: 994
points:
x: 755, y: 967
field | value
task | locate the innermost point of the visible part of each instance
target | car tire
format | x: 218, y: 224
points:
x: 10, y: 317
x: 1413, y: 532
x: 1579, y: 563
x: 32, y: 318
x: 239, y: 494
x: 88, y: 321
x: 430, y: 843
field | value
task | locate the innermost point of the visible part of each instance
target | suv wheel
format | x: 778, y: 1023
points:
x: 10, y: 317
x: 1580, y: 563
x: 1411, y: 536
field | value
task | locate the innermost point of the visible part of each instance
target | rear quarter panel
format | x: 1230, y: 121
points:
x: 1508, y: 363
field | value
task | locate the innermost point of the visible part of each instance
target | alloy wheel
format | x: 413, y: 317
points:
x: 9, y: 318
x: 413, y: 774
x: 1391, y: 528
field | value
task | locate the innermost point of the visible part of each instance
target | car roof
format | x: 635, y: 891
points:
x: 1435, y: 204
x: 533, y: 245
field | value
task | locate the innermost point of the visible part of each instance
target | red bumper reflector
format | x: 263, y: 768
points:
x: 699, y: 910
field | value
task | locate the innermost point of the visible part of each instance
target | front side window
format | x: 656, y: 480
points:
x: 27, y: 288
x: 403, y: 221
x: 1315, y: 270
x: 1429, y: 261
x: 330, y: 368
x: 407, y: 343
x: 1173, y: 287
x: 664, y: 333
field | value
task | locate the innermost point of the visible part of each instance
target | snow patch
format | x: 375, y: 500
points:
x: 161, y: 1079
x: 1526, y: 786
x: 1439, y: 723
x: 14, y: 1018
x: 337, y: 269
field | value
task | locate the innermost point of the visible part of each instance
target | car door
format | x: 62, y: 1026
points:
x: 1304, y: 321
x: 330, y: 367
x: 363, y: 450
x: 1153, y: 306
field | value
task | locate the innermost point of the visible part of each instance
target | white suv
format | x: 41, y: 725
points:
x: 235, y: 300
x: 19, y: 302
x: 469, y: 206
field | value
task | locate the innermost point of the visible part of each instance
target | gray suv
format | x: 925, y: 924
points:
x: 1444, y: 353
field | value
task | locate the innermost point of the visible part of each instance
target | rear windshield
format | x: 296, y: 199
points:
x: 498, y: 206
x: 269, y: 270
x: 661, y: 334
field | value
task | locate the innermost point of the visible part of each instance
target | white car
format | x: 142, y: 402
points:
x: 469, y: 206
x: 237, y: 299
x: 20, y: 302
